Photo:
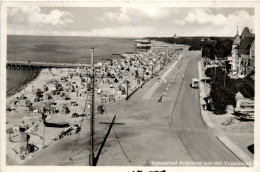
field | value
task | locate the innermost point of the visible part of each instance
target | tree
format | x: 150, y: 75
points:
x: 221, y: 95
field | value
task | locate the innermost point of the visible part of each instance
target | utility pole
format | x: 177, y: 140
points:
x: 92, y: 117
x: 92, y: 159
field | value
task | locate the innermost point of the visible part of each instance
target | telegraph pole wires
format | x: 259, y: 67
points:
x: 92, y: 159
x: 92, y: 117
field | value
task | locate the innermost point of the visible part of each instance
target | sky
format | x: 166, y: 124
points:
x: 128, y: 21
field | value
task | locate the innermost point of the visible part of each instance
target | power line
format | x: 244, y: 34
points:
x: 116, y: 134
x: 74, y: 149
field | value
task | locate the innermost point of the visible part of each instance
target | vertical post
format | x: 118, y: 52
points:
x: 92, y: 117
x: 126, y: 90
x: 152, y: 71
x: 43, y: 144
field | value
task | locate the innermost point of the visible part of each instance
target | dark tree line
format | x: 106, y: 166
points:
x: 211, y: 47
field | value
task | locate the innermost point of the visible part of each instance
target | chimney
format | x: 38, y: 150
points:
x: 251, y: 31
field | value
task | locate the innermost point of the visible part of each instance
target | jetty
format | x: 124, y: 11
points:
x: 39, y: 65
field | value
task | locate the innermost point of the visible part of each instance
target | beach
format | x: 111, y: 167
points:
x: 62, y: 97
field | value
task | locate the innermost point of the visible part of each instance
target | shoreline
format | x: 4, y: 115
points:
x: 22, y: 85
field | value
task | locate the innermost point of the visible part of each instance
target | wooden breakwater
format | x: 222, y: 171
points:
x: 40, y: 65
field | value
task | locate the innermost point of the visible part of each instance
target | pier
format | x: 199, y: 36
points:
x: 40, y: 65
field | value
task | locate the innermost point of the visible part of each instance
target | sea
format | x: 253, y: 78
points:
x: 61, y: 49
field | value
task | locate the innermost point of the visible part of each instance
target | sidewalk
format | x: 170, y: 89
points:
x: 225, y: 138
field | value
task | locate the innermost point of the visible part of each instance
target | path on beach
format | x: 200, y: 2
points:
x: 153, y: 131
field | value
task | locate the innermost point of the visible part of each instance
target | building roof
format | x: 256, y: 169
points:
x: 236, y: 40
x: 250, y: 80
x: 143, y: 45
x: 244, y: 45
x: 142, y: 41
x: 252, y: 48
x: 246, y: 33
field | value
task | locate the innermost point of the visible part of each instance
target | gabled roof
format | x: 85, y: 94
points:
x: 253, y: 43
x: 246, y: 33
x: 244, y: 45
x: 249, y: 79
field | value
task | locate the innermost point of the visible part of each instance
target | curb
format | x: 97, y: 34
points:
x: 239, y: 153
x: 204, y: 114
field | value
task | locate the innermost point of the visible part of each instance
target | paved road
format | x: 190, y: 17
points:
x: 197, y: 139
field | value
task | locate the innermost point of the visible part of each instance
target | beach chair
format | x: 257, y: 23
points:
x: 111, y: 98
x: 22, y: 97
x: 103, y: 99
x: 75, y: 115
x: 67, y: 97
x: 49, y: 96
x: 99, y: 91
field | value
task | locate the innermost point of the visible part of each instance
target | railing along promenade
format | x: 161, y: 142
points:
x: 38, y: 65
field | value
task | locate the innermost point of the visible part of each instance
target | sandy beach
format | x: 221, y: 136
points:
x: 63, y: 95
